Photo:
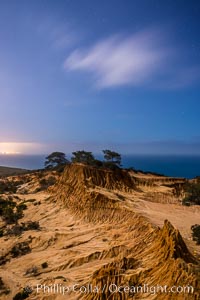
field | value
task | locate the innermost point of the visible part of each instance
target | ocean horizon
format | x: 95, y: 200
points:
x: 187, y: 166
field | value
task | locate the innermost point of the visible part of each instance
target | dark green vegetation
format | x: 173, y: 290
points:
x: 3, y: 288
x: 44, y: 265
x: 18, y: 229
x: 192, y: 191
x: 21, y: 295
x: 17, y: 250
x: 83, y: 157
x: 112, y: 157
x: 196, y: 233
x: 10, y: 211
x: 9, y: 187
x: 57, y: 160
x: 46, y: 182
x: 20, y: 249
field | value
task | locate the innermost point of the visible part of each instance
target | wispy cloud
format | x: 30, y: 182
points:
x: 142, y: 59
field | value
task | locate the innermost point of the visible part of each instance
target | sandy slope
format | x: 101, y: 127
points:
x: 63, y: 242
x: 87, y: 246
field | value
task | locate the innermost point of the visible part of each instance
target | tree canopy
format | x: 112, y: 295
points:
x: 55, y: 159
x: 83, y: 157
x: 112, y: 157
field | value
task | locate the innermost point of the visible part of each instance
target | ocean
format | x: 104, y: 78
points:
x: 171, y: 165
x: 29, y: 162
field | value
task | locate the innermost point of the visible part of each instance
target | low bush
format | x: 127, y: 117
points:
x: 3, y: 288
x: 15, y: 230
x: 32, y: 271
x: 44, y: 265
x: 32, y: 225
x: 8, y: 186
x: 10, y: 211
x: 19, y: 228
x: 20, y: 249
x: 22, y: 206
x: 192, y: 191
x: 196, y: 233
x: 21, y: 295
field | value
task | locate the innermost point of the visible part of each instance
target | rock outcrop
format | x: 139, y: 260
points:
x: 97, y: 232
x: 149, y: 255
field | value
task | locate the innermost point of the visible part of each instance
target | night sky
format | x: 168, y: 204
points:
x: 95, y: 74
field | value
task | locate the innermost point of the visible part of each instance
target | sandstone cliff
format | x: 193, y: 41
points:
x: 147, y: 253
x: 103, y: 232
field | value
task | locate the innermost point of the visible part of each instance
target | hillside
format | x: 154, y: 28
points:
x: 101, y: 229
x: 8, y: 171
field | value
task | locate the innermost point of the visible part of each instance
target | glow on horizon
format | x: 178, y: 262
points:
x: 20, y: 148
x: 9, y: 153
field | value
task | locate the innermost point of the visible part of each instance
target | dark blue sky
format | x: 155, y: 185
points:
x: 98, y: 74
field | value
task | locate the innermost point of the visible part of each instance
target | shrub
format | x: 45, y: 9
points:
x: 97, y: 163
x: 186, y: 202
x: 32, y: 225
x: 44, y: 265
x: 21, y: 295
x: 196, y: 233
x: 3, y: 288
x: 20, y: 249
x: 15, y: 230
x: 32, y: 270
x: 8, y: 187
x: 6, y: 203
x: 9, y: 216
x: 1, y: 283
x: 18, y: 229
x: 192, y: 193
x: 10, y: 212
x: 22, y: 206
x: 110, y: 165
x: 43, y: 182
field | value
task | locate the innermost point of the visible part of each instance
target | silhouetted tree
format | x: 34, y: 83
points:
x: 55, y: 159
x: 112, y: 157
x: 83, y: 157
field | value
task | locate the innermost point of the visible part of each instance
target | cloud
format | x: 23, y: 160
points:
x: 142, y: 59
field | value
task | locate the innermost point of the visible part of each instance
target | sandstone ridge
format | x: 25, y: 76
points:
x: 148, y: 254
x: 98, y: 228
